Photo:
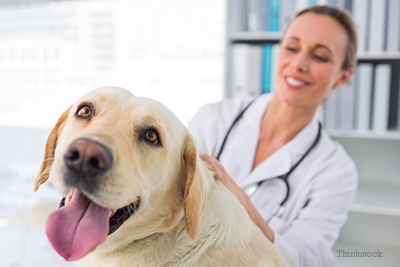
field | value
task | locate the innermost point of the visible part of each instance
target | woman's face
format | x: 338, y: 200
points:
x: 309, y: 64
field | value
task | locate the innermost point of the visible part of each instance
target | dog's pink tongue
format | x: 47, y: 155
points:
x: 77, y: 228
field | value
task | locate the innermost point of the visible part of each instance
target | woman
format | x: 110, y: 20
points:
x: 317, y: 54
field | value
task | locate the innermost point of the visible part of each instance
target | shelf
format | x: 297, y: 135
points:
x: 276, y: 36
x: 389, y: 135
x: 377, y: 199
x: 385, y: 55
x: 256, y: 36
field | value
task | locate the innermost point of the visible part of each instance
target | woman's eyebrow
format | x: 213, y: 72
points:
x: 324, y: 46
x: 295, y: 38
x: 317, y: 46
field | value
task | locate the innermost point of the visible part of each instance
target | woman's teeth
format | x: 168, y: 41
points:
x: 294, y: 82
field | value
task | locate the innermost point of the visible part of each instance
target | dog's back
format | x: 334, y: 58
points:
x: 227, y: 237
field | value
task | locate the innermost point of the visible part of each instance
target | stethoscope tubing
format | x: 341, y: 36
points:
x: 230, y: 128
x: 279, y: 209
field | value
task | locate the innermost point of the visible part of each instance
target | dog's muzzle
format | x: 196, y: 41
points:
x: 87, y: 161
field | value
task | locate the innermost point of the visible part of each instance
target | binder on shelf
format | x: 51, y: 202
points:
x: 339, y: 106
x: 322, y: 2
x: 252, y: 15
x: 239, y: 23
x: 364, y: 76
x: 239, y: 69
x: 274, y: 61
x: 348, y: 5
x: 347, y: 105
x: 394, y: 97
x: 338, y: 3
x: 246, y: 70
x: 360, y: 15
x: 380, y: 119
x: 287, y: 13
x: 312, y: 2
x: 254, y: 67
x: 393, y: 26
x: 398, y: 103
x: 273, y: 15
x: 377, y: 26
x: 263, y: 15
x: 257, y: 14
x: 301, y: 4
x: 330, y: 110
x: 266, y: 69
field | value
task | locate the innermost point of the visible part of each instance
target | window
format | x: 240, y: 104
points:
x: 52, y: 53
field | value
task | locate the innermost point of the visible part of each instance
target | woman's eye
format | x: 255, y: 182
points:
x: 152, y: 137
x: 323, y: 59
x: 291, y: 49
x: 84, y: 112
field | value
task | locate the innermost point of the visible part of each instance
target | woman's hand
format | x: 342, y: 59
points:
x: 221, y: 175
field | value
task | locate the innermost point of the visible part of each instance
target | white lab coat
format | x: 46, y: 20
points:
x: 326, y: 179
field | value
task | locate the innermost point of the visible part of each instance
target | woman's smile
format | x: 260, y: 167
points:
x: 295, y: 82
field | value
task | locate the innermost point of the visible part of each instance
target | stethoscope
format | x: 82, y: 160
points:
x: 278, y: 210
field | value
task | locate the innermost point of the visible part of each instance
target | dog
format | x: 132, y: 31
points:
x: 136, y: 192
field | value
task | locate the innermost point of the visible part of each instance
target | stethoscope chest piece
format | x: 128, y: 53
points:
x: 252, y: 190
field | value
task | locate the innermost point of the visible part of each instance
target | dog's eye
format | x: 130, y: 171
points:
x: 152, y: 137
x: 84, y: 112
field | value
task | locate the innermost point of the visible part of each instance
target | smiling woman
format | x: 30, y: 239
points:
x: 277, y: 136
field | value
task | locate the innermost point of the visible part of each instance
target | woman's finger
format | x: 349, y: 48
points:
x: 209, y: 160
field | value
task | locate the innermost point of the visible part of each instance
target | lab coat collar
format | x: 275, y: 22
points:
x: 253, y: 113
x: 283, y: 159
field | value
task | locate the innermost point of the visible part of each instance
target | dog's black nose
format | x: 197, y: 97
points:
x: 87, y: 157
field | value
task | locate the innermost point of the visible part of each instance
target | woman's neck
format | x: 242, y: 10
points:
x: 282, y: 122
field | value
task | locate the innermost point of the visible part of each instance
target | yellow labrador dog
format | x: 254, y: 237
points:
x: 137, y: 193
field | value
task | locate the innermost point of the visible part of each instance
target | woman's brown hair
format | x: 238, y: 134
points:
x: 344, y: 18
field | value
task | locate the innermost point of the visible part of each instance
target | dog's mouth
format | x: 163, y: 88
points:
x: 80, y: 224
x: 116, y: 218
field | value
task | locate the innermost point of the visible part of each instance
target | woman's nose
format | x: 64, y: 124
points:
x: 300, y: 62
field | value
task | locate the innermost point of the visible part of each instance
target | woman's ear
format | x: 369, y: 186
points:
x: 344, y: 77
x: 51, y: 144
x: 194, y: 197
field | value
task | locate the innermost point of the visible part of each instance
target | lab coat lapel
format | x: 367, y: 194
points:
x: 238, y: 155
x: 275, y: 165
x: 283, y: 159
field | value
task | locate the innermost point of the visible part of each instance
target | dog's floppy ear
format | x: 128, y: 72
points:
x: 51, y: 144
x: 195, y: 195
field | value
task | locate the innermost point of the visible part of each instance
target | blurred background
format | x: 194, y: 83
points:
x: 53, y: 52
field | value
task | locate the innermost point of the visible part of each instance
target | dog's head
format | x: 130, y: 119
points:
x: 127, y: 167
